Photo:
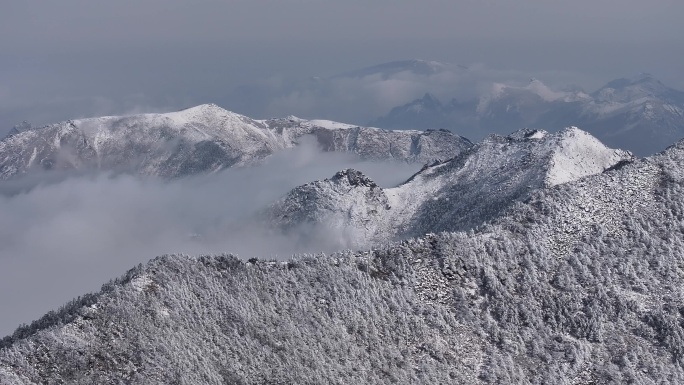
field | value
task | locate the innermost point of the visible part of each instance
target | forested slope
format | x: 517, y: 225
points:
x: 579, y: 284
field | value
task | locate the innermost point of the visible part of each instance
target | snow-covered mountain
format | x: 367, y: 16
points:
x: 640, y: 114
x: 577, y: 284
x: 429, y: 111
x: 205, y: 138
x: 454, y: 195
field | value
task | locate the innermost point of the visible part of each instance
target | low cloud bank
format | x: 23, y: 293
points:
x: 63, y: 237
x: 361, y: 99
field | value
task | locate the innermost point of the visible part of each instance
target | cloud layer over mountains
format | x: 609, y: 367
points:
x: 63, y: 237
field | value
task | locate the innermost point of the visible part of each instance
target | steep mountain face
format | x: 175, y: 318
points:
x: 639, y: 114
x: 205, y: 138
x: 576, y: 284
x: 458, y: 194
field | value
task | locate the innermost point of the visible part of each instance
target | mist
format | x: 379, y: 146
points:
x: 65, y: 237
x: 276, y: 79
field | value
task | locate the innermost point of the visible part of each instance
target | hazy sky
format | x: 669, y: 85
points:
x: 75, y: 58
x: 85, y: 23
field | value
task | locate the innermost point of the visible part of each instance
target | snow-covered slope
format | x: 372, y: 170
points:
x: 205, y: 138
x: 347, y: 210
x: 458, y: 194
x: 577, y: 284
x: 373, y: 143
x: 639, y: 112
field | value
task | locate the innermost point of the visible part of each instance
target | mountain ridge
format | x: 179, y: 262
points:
x: 452, y: 195
x: 576, y: 284
x: 205, y: 138
x: 640, y: 114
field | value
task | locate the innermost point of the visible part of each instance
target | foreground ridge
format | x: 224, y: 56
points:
x: 578, y: 284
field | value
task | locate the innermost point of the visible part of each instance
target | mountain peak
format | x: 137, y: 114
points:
x: 459, y: 194
x: 205, y: 108
x: 353, y: 178
x: 643, y: 84
x: 528, y: 134
x: 643, y: 77
x: 577, y: 153
x: 209, y: 114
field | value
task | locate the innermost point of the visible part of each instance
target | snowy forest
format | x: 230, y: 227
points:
x: 577, y: 284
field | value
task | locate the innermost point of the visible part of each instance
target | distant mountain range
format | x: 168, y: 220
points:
x: 202, y: 139
x: 640, y: 114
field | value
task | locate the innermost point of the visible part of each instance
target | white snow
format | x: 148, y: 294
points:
x: 331, y: 125
x: 34, y: 154
x: 579, y: 154
x: 155, y: 137
x: 139, y: 283
x: 539, y: 134
x: 496, y: 170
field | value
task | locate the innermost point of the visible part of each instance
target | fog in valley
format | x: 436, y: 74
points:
x: 66, y: 236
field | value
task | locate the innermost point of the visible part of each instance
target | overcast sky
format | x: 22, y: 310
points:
x: 85, y: 23
x: 75, y: 58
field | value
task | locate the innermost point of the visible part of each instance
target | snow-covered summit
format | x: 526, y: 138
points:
x: 576, y: 154
x: 353, y: 178
x: 203, y: 138
x: 458, y: 194
x: 348, y: 207
x: 623, y: 90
